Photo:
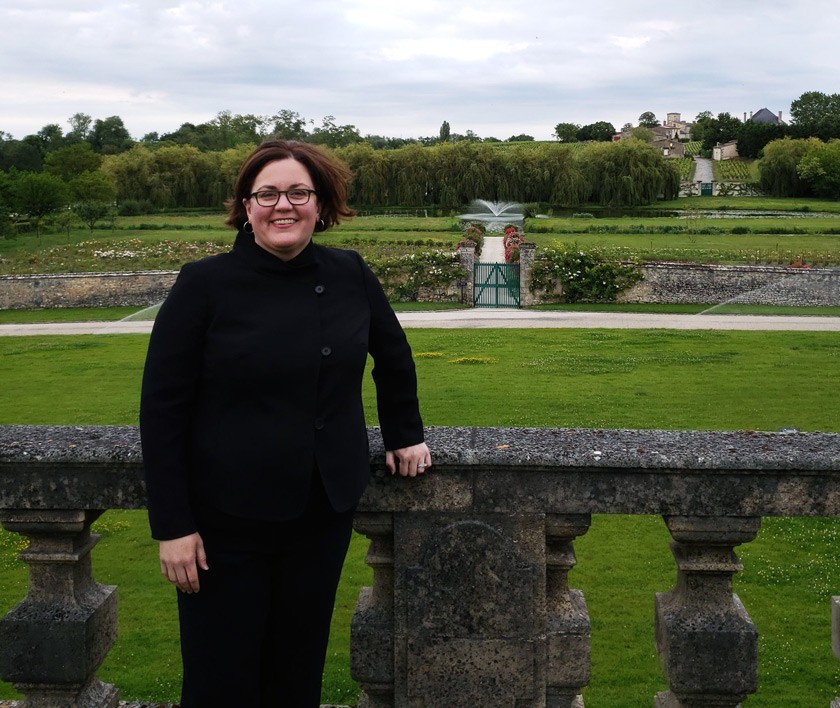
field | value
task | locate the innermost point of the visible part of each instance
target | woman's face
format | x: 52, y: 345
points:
x: 283, y: 229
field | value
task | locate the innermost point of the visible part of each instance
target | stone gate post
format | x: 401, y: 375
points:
x: 527, y: 252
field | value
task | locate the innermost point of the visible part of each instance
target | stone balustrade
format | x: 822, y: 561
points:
x: 470, y: 603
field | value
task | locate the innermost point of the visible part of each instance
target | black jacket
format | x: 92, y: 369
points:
x: 253, y: 379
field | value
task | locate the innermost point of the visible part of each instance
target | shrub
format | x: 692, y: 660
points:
x: 585, y: 276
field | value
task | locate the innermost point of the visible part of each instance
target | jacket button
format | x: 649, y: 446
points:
x: 319, y: 289
x: 326, y: 351
x: 319, y: 424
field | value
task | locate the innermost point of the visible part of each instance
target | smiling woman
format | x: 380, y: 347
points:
x: 254, y: 436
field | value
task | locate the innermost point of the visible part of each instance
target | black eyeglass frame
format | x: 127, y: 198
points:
x: 280, y: 193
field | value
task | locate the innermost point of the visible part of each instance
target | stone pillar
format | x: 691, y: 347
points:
x: 707, y: 643
x: 467, y: 255
x: 372, y: 628
x: 53, y: 642
x: 568, y: 629
x: 527, y: 252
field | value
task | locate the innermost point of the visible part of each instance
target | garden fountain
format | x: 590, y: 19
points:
x: 494, y: 216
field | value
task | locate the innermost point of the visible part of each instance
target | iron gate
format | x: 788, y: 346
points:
x: 496, y: 284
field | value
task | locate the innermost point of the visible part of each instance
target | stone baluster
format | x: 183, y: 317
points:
x: 372, y: 630
x: 707, y: 643
x: 53, y: 642
x: 568, y: 628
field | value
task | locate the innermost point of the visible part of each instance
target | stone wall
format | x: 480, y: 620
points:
x: 753, y: 285
x: 689, y: 283
x: 139, y: 289
x: 663, y: 283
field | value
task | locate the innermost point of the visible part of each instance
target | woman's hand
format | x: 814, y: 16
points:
x: 180, y: 560
x: 412, y: 460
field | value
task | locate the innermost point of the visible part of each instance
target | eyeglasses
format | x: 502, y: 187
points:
x: 270, y: 197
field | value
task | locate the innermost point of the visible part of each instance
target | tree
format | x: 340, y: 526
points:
x: 38, y: 195
x: 566, y: 132
x: 711, y: 131
x: 642, y: 133
x: 80, y: 124
x: 753, y: 136
x: 24, y: 155
x: 289, y: 125
x: 110, y: 136
x: 629, y: 173
x: 648, y: 120
x: 93, y: 186
x: 71, y: 161
x: 598, y: 132
x: 778, y: 168
x: 444, y: 131
x: 521, y: 138
x: 816, y: 114
x: 51, y: 137
x: 820, y: 167
x: 333, y: 135
x: 91, y: 212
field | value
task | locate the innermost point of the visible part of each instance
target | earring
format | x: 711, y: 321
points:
x: 247, y: 227
x: 323, y: 225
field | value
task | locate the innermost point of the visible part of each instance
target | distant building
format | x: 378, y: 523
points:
x: 669, y: 147
x: 725, y: 151
x: 672, y: 129
x: 681, y: 128
x: 765, y: 115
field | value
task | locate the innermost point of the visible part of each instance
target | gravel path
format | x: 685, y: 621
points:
x: 703, y: 169
x: 492, y: 250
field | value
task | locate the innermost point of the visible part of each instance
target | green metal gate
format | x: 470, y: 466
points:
x: 707, y: 189
x: 496, y: 285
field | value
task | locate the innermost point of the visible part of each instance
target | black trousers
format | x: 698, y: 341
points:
x: 256, y: 633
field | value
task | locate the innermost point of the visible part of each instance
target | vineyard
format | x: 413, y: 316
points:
x: 733, y: 171
x: 693, y: 148
x: 686, y: 167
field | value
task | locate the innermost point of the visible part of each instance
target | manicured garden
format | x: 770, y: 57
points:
x: 556, y: 378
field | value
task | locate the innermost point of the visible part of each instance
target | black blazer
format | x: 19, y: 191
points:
x: 253, y: 378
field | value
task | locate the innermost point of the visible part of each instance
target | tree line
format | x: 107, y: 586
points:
x: 446, y: 176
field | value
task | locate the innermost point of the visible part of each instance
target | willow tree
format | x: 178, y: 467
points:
x: 134, y: 174
x: 372, y: 183
x: 628, y: 173
x: 778, y: 168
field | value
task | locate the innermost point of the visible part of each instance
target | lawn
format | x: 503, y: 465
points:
x: 578, y: 378
x: 704, y: 232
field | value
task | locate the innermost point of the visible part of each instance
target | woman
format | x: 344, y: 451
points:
x: 253, y: 432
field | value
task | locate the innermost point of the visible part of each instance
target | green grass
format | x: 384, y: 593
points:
x: 165, y: 241
x: 585, y: 378
x: 66, y: 314
x: 761, y: 203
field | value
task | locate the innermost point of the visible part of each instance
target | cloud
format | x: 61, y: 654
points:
x: 402, y: 68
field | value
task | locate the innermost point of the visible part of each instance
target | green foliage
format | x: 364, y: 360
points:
x: 816, y: 114
x: 38, y: 194
x: 778, y: 168
x: 566, y: 132
x: 71, y: 161
x: 403, y: 276
x: 584, y: 276
x: 820, y: 167
x: 628, y: 173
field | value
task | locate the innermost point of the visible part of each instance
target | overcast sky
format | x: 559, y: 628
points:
x: 401, y: 67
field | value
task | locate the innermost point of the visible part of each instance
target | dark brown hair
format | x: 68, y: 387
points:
x: 330, y: 177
